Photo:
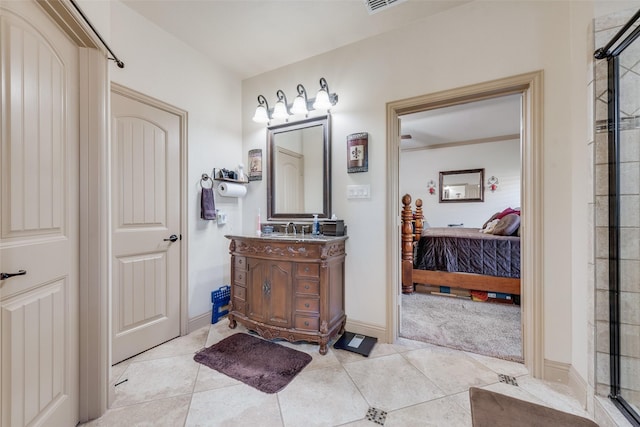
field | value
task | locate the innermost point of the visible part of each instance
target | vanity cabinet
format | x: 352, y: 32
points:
x: 291, y: 289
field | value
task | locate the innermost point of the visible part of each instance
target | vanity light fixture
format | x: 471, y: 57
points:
x: 300, y: 103
x: 262, y: 111
x: 281, y: 109
x: 324, y: 100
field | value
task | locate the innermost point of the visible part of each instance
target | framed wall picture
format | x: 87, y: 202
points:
x: 358, y: 152
x: 255, y: 165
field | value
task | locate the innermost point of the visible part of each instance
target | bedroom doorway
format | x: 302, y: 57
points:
x: 433, y: 145
x: 530, y: 87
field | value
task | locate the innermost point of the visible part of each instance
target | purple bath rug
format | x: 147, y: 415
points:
x: 264, y: 365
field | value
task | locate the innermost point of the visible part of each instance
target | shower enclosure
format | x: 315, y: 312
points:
x: 622, y: 54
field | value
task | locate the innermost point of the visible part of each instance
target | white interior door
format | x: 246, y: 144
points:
x: 290, y: 182
x: 39, y: 231
x: 146, y: 213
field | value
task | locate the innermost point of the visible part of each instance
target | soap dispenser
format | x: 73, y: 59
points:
x: 316, y: 225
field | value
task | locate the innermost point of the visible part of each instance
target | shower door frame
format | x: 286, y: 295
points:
x: 612, y: 52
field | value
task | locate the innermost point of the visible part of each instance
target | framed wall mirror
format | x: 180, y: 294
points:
x: 462, y: 186
x: 299, y: 169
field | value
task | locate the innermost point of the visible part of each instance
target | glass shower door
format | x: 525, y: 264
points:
x: 628, y: 292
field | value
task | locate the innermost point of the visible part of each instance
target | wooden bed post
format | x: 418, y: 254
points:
x: 407, y: 244
x: 418, y: 220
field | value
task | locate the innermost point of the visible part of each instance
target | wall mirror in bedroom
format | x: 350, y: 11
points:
x: 299, y: 169
x: 462, y: 186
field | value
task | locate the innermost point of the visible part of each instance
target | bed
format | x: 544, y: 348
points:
x: 461, y: 258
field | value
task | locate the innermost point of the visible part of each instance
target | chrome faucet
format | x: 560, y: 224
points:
x: 287, y: 228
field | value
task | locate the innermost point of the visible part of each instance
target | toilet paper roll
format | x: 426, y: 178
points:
x: 229, y: 189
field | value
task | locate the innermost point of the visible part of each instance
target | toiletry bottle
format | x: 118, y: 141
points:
x: 258, y: 225
x: 316, y: 226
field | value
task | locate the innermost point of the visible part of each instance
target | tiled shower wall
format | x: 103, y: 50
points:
x: 605, y: 29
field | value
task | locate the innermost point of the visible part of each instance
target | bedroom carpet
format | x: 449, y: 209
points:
x: 262, y: 364
x: 491, y: 329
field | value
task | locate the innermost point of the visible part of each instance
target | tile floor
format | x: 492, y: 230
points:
x: 416, y: 384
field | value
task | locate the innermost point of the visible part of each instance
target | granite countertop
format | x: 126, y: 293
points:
x: 282, y: 237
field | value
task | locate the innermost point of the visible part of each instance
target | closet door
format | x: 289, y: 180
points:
x: 146, y: 213
x: 39, y: 231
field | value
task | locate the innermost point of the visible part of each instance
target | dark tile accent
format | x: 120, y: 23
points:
x: 508, y: 379
x: 378, y: 416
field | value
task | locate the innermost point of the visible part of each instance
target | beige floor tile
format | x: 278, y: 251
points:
x: 462, y: 399
x: 221, y: 330
x: 360, y: 423
x: 318, y: 360
x: 321, y: 397
x: 379, y: 350
x: 118, y: 370
x: 443, y: 412
x: 408, y: 379
x: 500, y: 366
x: 210, y: 379
x: 452, y: 371
x: 403, y: 344
x: 235, y: 406
x: 556, y: 396
x: 156, y: 379
x: 169, y: 412
x: 391, y: 382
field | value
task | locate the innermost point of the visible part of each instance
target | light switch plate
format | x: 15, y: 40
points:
x: 222, y: 218
x: 359, y: 191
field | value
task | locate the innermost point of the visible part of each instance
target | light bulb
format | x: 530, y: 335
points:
x: 280, y: 111
x: 322, y: 101
x: 261, y: 115
x: 299, y: 106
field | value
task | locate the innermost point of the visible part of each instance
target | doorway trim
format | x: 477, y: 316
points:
x: 530, y: 86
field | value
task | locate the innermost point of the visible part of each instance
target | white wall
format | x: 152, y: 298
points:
x: 500, y: 159
x: 426, y: 58
x: 159, y: 65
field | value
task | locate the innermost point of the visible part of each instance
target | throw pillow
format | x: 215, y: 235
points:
x: 507, y: 225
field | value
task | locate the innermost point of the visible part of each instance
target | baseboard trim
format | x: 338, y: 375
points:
x: 199, y: 322
x: 367, y: 329
x: 578, y: 386
x: 556, y: 372
x: 565, y: 373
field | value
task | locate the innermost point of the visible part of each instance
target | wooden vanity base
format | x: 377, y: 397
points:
x: 291, y: 290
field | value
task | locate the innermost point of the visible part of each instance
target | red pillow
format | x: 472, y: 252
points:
x: 507, y: 212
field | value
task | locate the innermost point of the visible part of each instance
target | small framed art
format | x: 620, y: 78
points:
x: 255, y: 165
x: 358, y: 152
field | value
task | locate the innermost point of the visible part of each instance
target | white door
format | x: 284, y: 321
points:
x: 290, y: 182
x: 146, y: 214
x: 39, y: 220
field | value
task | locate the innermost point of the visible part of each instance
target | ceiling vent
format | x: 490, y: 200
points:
x: 375, y: 6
